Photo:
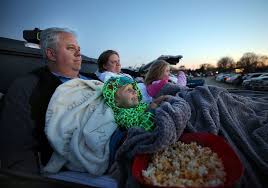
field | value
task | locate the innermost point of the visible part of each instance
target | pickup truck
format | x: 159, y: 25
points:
x: 17, y: 58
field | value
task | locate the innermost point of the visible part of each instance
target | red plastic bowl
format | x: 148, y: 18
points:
x: 232, y: 164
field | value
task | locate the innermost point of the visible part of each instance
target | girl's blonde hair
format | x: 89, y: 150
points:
x: 155, y: 72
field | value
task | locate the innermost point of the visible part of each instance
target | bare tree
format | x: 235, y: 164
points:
x: 225, y: 64
x: 207, y: 67
x: 248, y: 62
x: 262, y: 61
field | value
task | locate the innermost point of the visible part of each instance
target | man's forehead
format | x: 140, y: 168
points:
x: 68, y: 39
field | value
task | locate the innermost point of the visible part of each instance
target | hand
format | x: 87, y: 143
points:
x: 156, y: 102
x: 160, y: 99
x: 153, y: 105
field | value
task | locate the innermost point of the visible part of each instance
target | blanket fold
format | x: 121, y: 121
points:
x: 79, y: 125
x: 171, y: 118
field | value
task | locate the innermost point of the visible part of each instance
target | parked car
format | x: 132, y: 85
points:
x: 246, y: 83
x: 132, y: 72
x: 191, y: 82
x: 222, y: 76
x: 171, y: 59
x: 260, y: 83
x: 264, y: 74
x: 234, y: 78
x: 251, y: 75
x: 195, y: 82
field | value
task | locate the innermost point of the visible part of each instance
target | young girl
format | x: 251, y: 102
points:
x: 124, y: 97
x: 158, y: 76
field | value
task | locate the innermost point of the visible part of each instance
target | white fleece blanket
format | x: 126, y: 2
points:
x: 78, y: 126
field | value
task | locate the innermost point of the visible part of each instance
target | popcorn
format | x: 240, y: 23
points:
x: 185, y: 165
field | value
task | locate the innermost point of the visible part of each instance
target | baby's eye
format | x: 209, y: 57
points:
x: 130, y: 90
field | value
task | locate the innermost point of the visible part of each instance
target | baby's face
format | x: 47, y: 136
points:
x: 126, y: 97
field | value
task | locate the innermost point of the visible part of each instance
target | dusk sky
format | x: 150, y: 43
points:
x: 202, y: 31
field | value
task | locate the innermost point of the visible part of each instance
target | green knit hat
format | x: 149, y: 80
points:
x: 127, y: 117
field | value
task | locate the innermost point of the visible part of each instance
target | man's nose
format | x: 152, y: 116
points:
x: 77, y: 53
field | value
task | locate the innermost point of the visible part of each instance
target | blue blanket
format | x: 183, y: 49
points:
x: 241, y: 117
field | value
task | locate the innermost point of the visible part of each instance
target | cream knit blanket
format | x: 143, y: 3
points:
x: 79, y: 125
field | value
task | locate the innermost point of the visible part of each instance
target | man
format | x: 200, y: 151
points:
x: 23, y: 144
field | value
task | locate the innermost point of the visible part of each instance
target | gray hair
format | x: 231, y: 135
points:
x: 49, y: 38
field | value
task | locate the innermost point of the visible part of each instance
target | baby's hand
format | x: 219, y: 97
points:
x: 160, y: 99
x: 156, y: 102
x: 153, y: 105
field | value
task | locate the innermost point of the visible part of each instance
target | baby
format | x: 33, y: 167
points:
x: 124, y: 97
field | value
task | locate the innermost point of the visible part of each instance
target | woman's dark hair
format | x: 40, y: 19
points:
x: 104, y: 57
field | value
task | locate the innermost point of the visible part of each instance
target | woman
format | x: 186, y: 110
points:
x: 109, y: 66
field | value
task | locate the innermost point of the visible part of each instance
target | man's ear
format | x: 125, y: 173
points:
x: 51, y: 54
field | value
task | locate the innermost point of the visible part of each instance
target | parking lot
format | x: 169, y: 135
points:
x: 211, y: 81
